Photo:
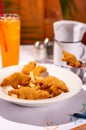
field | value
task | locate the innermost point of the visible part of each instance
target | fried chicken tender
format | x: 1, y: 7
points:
x: 70, y: 59
x: 16, y: 79
x: 29, y: 93
x: 38, y: 70
x: 29, y: 67
x: 51, y: 82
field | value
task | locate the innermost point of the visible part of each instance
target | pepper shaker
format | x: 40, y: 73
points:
x: 49, y: 48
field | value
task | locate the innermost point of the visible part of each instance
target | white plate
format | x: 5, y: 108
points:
x: 73, y: 82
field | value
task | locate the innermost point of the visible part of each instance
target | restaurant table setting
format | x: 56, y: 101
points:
x: 65, y: 111
x: 46, y: 116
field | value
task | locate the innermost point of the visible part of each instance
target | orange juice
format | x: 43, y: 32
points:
x: 10, y: 39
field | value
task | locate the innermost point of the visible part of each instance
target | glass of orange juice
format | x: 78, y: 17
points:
x: 10, y: 39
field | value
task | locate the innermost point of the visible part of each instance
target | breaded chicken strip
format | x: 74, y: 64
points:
x: 16, y: 79
x: 51, y: 82
x: 29, y: 93
x: 70, y: 59
x: 38, y: 70
x: 29, y: 67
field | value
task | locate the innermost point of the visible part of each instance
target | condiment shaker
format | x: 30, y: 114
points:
x: 39, y: 52
x: 49, y: 48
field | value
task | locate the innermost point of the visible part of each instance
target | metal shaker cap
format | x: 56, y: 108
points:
x: 39, y: 45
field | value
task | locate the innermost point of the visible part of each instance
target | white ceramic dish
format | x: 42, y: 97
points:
x: 73, y: 82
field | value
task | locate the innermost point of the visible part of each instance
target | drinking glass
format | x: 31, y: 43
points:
x: 10, y: 39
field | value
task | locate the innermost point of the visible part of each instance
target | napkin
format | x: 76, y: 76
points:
x: 69, y: 31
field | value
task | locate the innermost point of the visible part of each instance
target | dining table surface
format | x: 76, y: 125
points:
x: 48, y: 115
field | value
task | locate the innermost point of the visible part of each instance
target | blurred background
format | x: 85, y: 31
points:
x: 37, y: 16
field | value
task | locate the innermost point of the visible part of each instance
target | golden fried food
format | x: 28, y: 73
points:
x: 35, y: 79
x: 29, y: 67
x: 38, y: 70
x: 16, y: 79
x: 54, y: 91
x: 50, y: 82
x: 28, y: 84
x: 70, y: 59
x: 29, y: 93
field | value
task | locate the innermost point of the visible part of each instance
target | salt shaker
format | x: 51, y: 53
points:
x: 39, y: 52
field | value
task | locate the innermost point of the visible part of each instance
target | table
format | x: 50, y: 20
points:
x: 57, y: 113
